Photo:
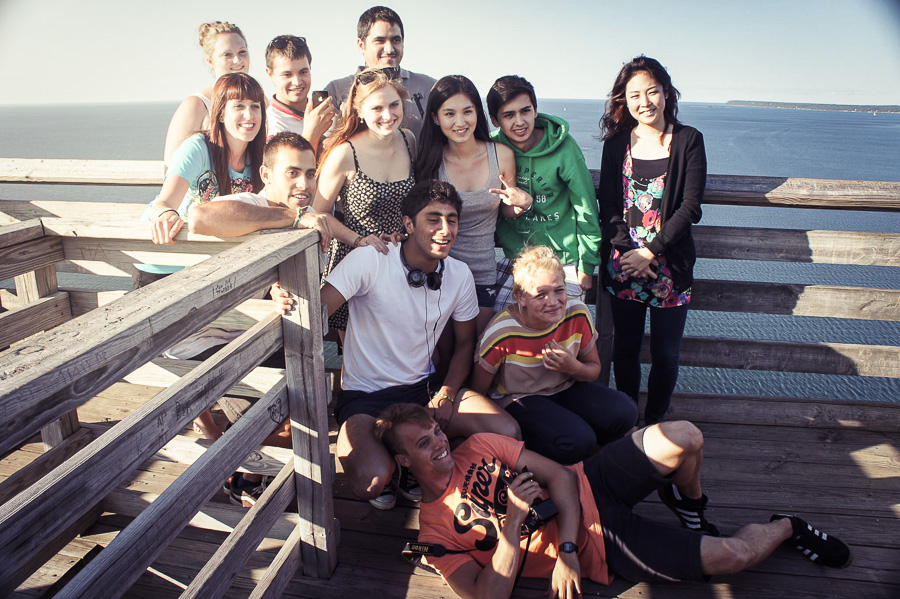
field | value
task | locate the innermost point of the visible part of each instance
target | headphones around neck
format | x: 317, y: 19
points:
x: 418, y: 278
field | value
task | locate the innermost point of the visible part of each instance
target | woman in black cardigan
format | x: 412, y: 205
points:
x: 652, y: 178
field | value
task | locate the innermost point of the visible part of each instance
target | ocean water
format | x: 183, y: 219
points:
x: 739, y: 141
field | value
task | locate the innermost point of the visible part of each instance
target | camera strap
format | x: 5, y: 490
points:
x: 414, y: 552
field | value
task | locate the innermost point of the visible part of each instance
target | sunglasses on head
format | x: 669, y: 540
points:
x: 368, y: 76
x: 281, y: 42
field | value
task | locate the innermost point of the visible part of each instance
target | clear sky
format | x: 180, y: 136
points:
x: 830, y: 51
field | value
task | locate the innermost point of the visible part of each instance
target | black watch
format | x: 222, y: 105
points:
x: 568, y: 547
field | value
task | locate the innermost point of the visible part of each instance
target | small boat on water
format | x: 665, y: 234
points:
x: 107, y: 492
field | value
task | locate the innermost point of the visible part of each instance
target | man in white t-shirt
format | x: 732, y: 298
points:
x: 380, y: 39
x: 400, y: 303
x: 289, y: 66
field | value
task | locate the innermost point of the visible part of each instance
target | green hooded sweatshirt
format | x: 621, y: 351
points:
x: 564, y: 213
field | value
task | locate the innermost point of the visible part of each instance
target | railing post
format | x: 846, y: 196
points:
x: 308, y: 400
x: 30, y: 287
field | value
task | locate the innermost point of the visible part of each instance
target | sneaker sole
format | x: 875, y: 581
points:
x: 410, y: 496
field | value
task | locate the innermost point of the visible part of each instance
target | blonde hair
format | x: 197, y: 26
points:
x: 209, y: 31
x: 530, y: 261
x: 351, y: 122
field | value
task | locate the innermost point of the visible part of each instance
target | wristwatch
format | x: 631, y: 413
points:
x: 568, y: 547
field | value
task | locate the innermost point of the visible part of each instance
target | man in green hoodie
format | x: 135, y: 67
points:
x: 550, y: 167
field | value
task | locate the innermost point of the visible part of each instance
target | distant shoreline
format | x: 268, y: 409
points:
x: 805, y: 106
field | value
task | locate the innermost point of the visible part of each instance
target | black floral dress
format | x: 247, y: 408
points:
x: 370, y: 207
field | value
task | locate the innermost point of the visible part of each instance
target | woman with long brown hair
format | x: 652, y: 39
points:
x: 222, y: 161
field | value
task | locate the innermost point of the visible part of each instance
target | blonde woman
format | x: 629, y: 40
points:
x: 538, y: 359
x: 225, y: 49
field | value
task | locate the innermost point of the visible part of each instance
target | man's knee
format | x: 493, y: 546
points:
x: 509, y: 427
x: 683, y: 434
x: 367, y: 480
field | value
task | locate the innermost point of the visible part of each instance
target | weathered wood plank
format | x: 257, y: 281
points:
x: 36, y: 284
x: 53, y: 539
x: 85, y: 478
x: 861, y: 303
x: 790, y: 245
x: 845, y: 416
x: 263, y: 459
x: 12, y: 211
x: 16, y: 233
x: 94, y: 172
x: 308, y: 397
x: 162, y: 372
x: 59, y: 430
x: 37, y: 384
x: 785, y: 356
x: 135, y: 548
x: 83, y: 301
x: 30, y: 255
x: 46, y: 462
x: 44, y: 314
x: 283, y: 567
x: 215, y: 578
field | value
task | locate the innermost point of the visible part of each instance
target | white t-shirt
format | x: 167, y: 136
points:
x: 393, y: 327
x: 247, y: 197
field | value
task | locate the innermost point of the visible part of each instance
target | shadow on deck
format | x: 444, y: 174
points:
x: 837, y: 464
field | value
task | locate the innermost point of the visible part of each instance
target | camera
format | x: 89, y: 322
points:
x: 540, y: 512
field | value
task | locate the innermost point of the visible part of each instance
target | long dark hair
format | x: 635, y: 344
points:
x: 433, y: 141
x: 616, y: 118
x: 235, y: 86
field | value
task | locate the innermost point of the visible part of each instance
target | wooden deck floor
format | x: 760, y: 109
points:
x: 761, y: 456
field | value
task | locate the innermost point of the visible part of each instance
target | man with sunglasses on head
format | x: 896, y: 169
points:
x: 288, y: 64
x: 380, y: 40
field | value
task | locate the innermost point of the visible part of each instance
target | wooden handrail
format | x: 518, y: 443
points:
x: 47, y: 375
x: 740, y: 190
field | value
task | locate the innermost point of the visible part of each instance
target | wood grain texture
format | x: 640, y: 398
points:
x: 44, y: 314
x: 93, y: 172
x: 136, y: 547
x: 16, y: 233
x: 30, y: 255
x: 69, y: 490
x: 47, y: 461
x: 54, y: 372
x: 308, y: 396
x: 791, y: 245
x: 218, y: 573
x: 828, y: 301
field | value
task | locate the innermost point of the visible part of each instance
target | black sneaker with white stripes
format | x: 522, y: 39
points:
x: 408, y: 485
x: 689, y: 511
x: 819, y: 547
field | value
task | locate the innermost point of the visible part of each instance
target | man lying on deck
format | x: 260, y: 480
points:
x: 400, y: 303
x: 469, y: 512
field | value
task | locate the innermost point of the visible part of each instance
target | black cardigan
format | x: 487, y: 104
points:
x: 685, y: 182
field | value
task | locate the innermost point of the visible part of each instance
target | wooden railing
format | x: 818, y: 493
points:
x: 47, y: 376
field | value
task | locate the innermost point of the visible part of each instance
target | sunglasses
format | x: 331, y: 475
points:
x: 368, y: 76
x: 281, y: 42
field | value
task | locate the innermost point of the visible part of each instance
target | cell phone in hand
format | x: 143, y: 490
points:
x: 318, y: 97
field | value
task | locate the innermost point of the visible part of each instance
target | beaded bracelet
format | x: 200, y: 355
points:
x: 442, y: 395
x: 358, y: 239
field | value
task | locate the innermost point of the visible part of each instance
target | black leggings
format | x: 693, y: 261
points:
x: 666, y: 330
x: 566, y: 427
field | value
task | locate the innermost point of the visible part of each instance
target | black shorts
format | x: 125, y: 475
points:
x: 351, y: 403
x: 638, y: 549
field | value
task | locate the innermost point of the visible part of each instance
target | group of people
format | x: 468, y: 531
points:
x: 411, y: 193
